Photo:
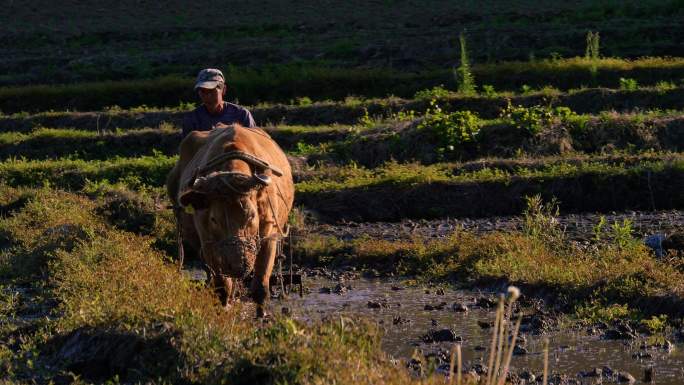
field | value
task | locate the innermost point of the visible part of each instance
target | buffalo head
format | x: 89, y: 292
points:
x: 227, y: 219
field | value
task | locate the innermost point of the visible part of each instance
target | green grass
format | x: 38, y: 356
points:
x: 333, y: 179
x: 50, y: 143
x: 75, y: 173
x: 152, y: 170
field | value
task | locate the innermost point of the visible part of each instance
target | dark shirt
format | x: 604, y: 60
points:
x: 200, y: 120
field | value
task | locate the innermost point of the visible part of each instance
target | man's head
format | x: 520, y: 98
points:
x: 211, y: 86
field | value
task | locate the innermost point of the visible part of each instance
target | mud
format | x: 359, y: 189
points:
x: 421, y: 335
x: 579, y: 227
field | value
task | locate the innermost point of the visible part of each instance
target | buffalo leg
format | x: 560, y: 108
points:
x: 218, y: 284
x: 229, y: 287
x: 262, y: 275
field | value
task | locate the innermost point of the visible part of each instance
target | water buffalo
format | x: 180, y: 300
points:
x: 232, y: 189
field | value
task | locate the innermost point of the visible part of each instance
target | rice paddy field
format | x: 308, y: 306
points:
x: 549, y: 158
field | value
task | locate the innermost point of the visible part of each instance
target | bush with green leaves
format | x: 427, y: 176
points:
x: 535, y: 119
x: 488, y: 91
x: 628, y: 84
x: 451, y: 130
x: 436, y: 92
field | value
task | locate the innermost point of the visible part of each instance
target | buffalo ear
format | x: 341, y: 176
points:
x: 193, y: 198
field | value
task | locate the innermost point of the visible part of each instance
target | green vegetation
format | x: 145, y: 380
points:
x: 628, y: 84
x: 305, y: 83
x: 464, y: 77
x: 159, y: 41
x: 110, y: 286
x: 533, y: 120
x: 339, y: 178
x: 592, y: 52
x: 450, y: 130
x: 151, y: 170
x: 75, y: 173
x: 606, y: 282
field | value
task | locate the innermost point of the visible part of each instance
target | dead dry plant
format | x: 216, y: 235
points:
x: 501, y: 347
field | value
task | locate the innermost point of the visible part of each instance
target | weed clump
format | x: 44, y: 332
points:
x: 450, y: 130
x: 540, y: 219
x: 628, y: 84
x: 436, y: 92
x: 533, y: 120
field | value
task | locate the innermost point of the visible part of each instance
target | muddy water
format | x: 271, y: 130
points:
x: 571, y: 351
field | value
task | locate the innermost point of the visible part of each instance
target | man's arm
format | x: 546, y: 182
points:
x: 247, y: 119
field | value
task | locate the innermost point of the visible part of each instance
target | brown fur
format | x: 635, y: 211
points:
x: 230, y: 215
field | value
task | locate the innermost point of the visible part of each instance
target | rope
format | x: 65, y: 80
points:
x: 179, y: 236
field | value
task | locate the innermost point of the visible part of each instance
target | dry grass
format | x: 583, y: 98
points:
x: 109, y: 281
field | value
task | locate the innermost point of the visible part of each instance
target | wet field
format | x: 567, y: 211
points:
x: 576, y: 226
x: 402, y: 311
x: 422, y: 323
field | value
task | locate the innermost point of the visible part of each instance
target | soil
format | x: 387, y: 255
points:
x: 578, y: 227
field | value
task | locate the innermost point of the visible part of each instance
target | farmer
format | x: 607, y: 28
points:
x: 211, y: 87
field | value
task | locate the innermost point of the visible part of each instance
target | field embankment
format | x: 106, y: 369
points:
x: 398, y: 191
x: 134, y: 94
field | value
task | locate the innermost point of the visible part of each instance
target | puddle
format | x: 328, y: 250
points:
x: 571, y: 351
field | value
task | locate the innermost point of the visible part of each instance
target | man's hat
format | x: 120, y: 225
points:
x: 209, y: 78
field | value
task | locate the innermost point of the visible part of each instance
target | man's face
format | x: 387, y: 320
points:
x: 211, y: 96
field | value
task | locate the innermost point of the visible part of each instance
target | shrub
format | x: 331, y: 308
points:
x: 303, y: 101
x: 535, y: 119
x: 436, y: 92
x: 303, y: 148
x: 403, y: 116
x: 451, y: 130
x: 621, y: 234
x: 628, y: 84
x: 664, y: 86
x: 488, y: 90
x: 656, y: 324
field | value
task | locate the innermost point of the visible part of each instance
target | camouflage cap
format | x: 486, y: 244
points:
x: 209, y: 78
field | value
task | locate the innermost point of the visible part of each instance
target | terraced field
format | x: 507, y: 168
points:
x: 562, y: 176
